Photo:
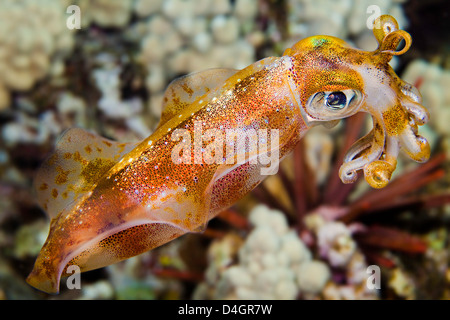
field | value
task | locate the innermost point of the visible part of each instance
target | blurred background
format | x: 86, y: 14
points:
x: 301, y: 234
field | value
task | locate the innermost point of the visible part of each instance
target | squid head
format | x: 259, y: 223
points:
x: 333, y: 80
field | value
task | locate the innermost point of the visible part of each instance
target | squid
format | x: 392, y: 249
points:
x: 222, y: 131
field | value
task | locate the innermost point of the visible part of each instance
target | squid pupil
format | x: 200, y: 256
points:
x: 336, y: 100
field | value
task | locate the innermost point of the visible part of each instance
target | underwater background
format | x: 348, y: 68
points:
x: 301, y: 234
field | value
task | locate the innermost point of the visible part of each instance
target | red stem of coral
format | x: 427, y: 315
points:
x: 299, y: 187
x: 213, y: 234
x: 267, y: 198
x: 376, y: 257
x: 234, y: 219
x: 404, y: 183
x: 390, y: 238
x: 392, y: 201
x: 176, y: 274
x: 287, y: 183
x: 378, y: 199
x: 424, y: 202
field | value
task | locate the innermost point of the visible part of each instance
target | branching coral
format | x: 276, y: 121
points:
x: 434, y: 83
x: 33, y: 36
x: 106, y: 13
x: 113, y: 106
x: 345, y: 18
x: 273, y: 264
x: 178, y: 37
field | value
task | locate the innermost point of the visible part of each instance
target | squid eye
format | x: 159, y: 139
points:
x: 332, y: 105
x: 336, y: 100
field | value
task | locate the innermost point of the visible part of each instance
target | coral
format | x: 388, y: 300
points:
x: 30, y: 238
x: 145, y: 8
x: 71, y: 106
x: 335, y: 243
x: 312, y: 276
x: 110, y: 102
x: 333, y: 291
x: 433, y: 82
x: 32, y: 38
x: 345, y: 19
x: 99, y: 290
x: 402, y: 284
x: 273, y: 264
x: 114, y: 107
x: 178, y: 37
x: 106, y: 13
x: 26, y: 129
x: 246, y: 9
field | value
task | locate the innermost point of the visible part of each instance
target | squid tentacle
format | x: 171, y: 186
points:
x: 376, y: 153
x: 415, y: 146
x: 410, y: 91
x: 359, y: 146
x: 378, y: 173
x: 370, y: 151
x: 417, y: 111
x: 389, y: 36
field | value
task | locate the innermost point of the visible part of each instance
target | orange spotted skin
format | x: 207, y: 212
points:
x: 110, y: 201
x: 318, y: 66
x: 146, y: 185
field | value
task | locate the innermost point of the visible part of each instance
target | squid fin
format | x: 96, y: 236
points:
x: 80, y: 159
x: 183, y: 91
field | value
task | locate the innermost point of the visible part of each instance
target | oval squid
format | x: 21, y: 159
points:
x: 109, y: 201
